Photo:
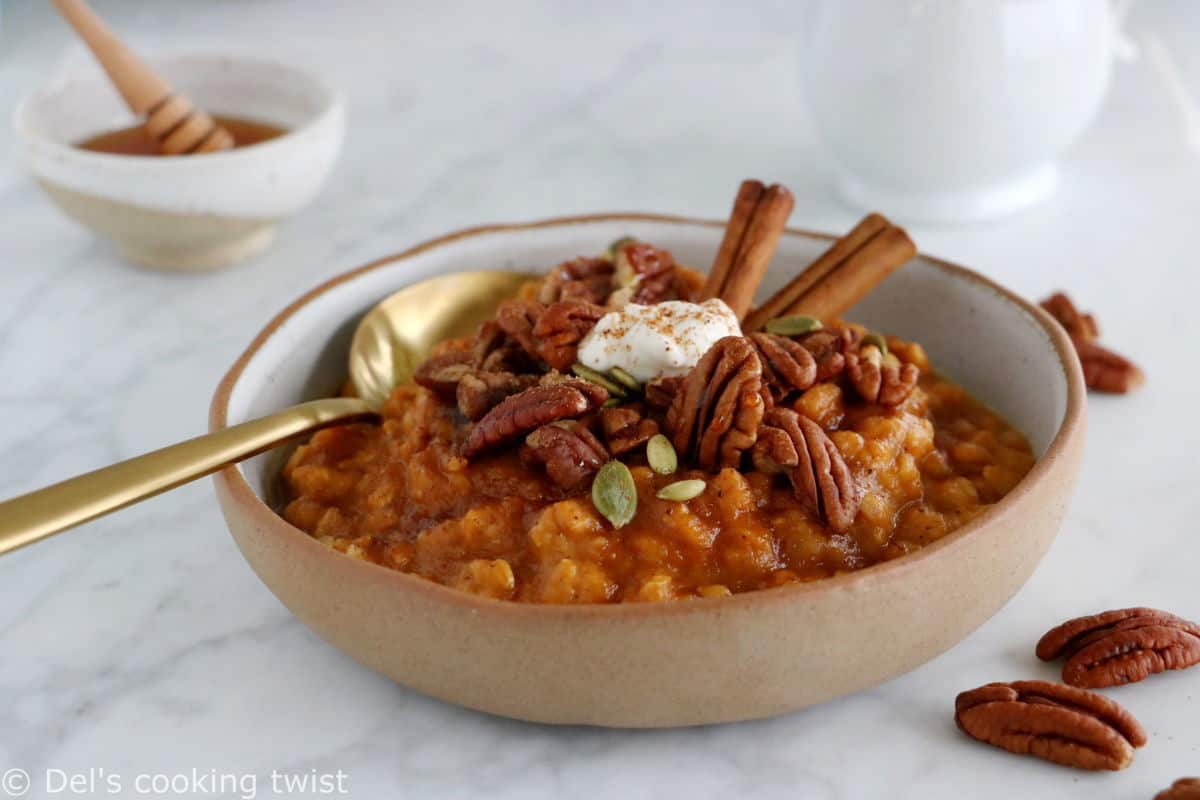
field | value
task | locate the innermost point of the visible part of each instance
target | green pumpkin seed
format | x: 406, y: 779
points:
x: 793, y: 325
x: 877, y: 340
x: 612, y: 402
x: 682, y: 491
x: 617, y: 244
x: 661, y: 455
x: 600, y: 379
x: 615, y: 494
x: 625, y: 379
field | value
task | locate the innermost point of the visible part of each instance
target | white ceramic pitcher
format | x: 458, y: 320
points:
x: 951, y: 111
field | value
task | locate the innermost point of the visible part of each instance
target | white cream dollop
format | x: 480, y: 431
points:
x: 656, y: 341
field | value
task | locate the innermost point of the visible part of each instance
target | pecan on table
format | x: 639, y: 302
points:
x: 479, y: 391
x: 649, y: 270
x: 1106, y: 371
x: 787, y: 365
x: 1075, y: 322
x: 1068, y: 726
x: 517, y: 319
x: 1121, y: 646
x: 442, y: 373
x: 878, y: 382
x: 1182, y: 789
x: 519, y: 414
x: 1103, y: 369
x: 626, y: 428
x: 792, y: 443
x: 715, y: 418
x: 659, y: 392
x: 584, y: 279
x: 561, y: 328
x: 568, y: 450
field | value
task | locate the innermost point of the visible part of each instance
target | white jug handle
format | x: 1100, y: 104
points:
x: 1124, y: 47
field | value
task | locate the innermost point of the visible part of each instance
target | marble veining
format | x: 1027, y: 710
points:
x: 142, y: 643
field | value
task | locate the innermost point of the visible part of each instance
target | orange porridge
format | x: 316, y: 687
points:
x: 605, y: 438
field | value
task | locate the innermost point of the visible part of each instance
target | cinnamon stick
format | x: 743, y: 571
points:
x: 844, y: 274
x: 749, y: 193
x: 757, y: 222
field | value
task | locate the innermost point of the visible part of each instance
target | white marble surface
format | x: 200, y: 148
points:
x: 142, y: 643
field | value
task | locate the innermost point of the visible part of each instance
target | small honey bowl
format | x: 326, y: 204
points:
x: 195, y: 212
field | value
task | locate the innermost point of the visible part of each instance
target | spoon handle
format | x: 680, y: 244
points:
x: 34, y: 516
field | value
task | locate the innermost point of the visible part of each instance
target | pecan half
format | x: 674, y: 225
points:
x: 792, y: 443
x: 569, y: 451
x: 494, y: 351
x: 787, y: 365
x: 626, y: 428
x: 479, y: 391
x: 1068, y: 726
x: 716, y: 416
x: 1121, y: 646
x: 441, y: 374
x: 519, y: 414
x: 829, y: 347
x: 1079, y: 325
x: 879, y: 382
x: 649, y: 269
x: 659, y: 392
x: 561, y: 327
x: 1106, y: 371
x: 584, y: 279
x: 517, y: 318
x: 1182, y: 789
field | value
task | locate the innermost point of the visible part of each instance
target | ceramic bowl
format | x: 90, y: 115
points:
x: 187, y: 212
x: 687, y: 662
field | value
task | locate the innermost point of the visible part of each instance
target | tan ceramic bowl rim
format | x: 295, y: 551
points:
x: 260, y: 513
x: 331, y: 104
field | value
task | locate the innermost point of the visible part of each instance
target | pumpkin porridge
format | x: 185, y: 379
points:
x: 625, y: 430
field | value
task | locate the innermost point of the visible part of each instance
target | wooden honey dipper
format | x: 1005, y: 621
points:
x: 171, y: 119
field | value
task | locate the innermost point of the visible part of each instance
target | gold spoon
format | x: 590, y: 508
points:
x: 389, y: 342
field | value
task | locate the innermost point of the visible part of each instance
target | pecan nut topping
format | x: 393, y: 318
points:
x: 1068, y: 726
x: 649, y: 269
x: 626, y: 428
x: 792, y: 443
x: 569, y: 451
x: 829, y: 347
x: 519, y: 414
x: 441, y: 373
x: 479, y: 391
x: 561, y: 327
x: 787, y: 365
x: 660, y: 392
x: 1079, y: 325
x: 1121, y: 646
x: 879, y: 382
x: 715, y: 418
x: 1182, y: 789
x: 517, y: 318
x: 584, y: 279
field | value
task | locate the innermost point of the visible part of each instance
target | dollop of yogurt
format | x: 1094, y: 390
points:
x: 661, y: 340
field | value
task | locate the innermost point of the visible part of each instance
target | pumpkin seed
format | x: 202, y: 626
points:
x: 600, y: 379
x: 625, y: 379
x: 661, y: 455
x: 793, y: 325
x: 611, y: 402
x: 614, y: 494
x: 617, y: 244
x: 877, y: 340
x: 682, y: 491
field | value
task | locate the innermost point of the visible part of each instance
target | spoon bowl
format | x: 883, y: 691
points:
x: 389, y: 341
